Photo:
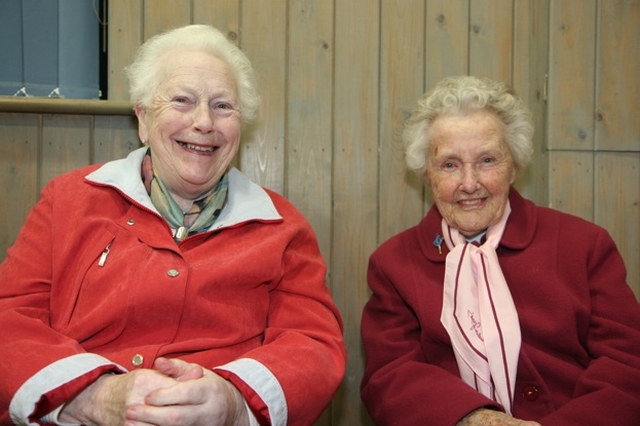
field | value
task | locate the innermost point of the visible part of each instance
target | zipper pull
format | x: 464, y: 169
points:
x: 103, y: 256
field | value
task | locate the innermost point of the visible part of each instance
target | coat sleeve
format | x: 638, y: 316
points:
x: 300, y: 365
x: 42, y: 368
x: 608, y: 390
x: 400, y: 386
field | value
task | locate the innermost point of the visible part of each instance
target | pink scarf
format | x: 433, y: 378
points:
x: 479, y: 314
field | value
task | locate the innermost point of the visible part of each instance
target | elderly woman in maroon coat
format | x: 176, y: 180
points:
x: 493, y: 311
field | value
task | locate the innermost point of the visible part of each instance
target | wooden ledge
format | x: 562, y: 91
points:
x: 64, y: 106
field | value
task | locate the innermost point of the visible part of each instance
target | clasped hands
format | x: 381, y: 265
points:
x: 174, y: 392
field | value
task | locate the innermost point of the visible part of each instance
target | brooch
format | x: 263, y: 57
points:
x: 438, y: 243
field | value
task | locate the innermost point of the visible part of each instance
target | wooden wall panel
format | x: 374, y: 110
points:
x: 571, y: 74
x: 447, y: 40
x: 263, y: 153
x: 125, y: 36
x: 162, y: 15
x: 617, y: 206
x: 19, y: 172
x: 66, y: 141
x: 355, y: 182
x: 222, y: 14
x: 530, y: 65
x: 402, y: 68
x: 114, y: 137
x: 491, y: 39
x: 618, y: 108
x: 571, y: 182
x: 308, y: 107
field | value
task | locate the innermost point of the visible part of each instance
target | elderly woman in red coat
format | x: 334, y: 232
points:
x: 166, y: 288
x: 493, y: 311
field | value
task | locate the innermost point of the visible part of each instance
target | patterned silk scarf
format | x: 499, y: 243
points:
x: 479, y: 314
x: 199, y: 218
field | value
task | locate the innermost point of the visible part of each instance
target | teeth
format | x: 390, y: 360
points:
x: 197, y: 147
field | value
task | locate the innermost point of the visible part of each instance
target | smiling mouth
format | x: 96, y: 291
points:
x: 198, y: 148
x: 471, y: 203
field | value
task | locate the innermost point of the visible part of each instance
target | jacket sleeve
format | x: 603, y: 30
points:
x: 298, y: 369
x: 42, y: 368
x: 607, y: 391
x: 400, y: 386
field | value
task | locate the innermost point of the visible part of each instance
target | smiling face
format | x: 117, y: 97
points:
x: 193, y: 124
x: 470, y: 170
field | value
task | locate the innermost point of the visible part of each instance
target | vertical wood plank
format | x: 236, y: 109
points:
x: 530, y: 64
x: 162, y: 15
x: 222, y: 14
x: 571, y: 74
x: 491, y: 39
x: 125, y: 36
x: 308, y: 113
x: 617, y: 207
x: 355, y: 169
x: 401, y: 84
x: 66, y: 141
x: 618, y: 75
x: 447, y: 40
x: 264, y: 41
x: 114, y: 137
x: 19, y: 152
x: 571, y: 183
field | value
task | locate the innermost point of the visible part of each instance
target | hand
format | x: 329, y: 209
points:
x: 106, y: 400
x: 486, y: 417
x: 200, y: 397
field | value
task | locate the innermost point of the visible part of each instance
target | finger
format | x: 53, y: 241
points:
x: 143, y: 415
x: 178, y: 369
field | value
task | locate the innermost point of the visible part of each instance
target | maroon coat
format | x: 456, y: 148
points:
x: 579, y: 362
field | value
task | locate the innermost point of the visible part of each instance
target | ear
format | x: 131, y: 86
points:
x: 143, y: 131
x: 514, y: 175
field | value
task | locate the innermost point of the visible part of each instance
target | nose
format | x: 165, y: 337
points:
x: 203, y: 119
x: 469, y: 177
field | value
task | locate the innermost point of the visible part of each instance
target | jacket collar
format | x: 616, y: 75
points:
x: 246, y: 201
x: 518, y: 234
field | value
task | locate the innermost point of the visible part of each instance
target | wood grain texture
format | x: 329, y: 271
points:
x: 309, y: 106
x: 114, y: 137
x: 571, y: 74
x: 491, y: 39
x: 617, y: 123
x: 617, y: 206
x: 402, y: 66
x: 355, y: 182
x: 530, y: 65
x: 263, y: 153
x: 571, y: 182
x: 19, y: 172
x: 66, y: 144
x: 125, y: 35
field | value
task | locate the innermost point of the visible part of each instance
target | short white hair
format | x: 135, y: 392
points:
x: 144, y: 77
x: 465, y: 94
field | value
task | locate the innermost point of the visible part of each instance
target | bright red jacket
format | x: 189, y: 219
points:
x: 579, y: 362
x: 246, y: 298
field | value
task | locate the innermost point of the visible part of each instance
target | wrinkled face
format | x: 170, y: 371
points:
x: 470, y: 170
x: 193, y: 124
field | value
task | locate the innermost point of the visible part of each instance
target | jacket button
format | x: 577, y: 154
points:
x: 173, y: 273
x: 530, y: 393
x: 137, y: 360
x: 131, y: 222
